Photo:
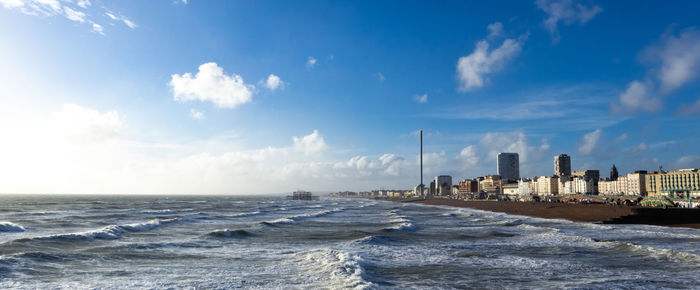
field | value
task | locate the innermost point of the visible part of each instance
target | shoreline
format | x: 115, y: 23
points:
x: 594, y: 213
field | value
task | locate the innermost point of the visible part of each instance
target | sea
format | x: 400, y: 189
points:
x: 204, y: 242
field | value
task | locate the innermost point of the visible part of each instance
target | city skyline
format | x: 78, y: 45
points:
x: 232, y: 97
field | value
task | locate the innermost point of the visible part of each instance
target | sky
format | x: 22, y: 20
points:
x: 249, y: 97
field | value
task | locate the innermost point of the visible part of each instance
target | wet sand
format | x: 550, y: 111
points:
x: 596, y: 213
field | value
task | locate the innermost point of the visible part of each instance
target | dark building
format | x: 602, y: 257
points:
x: 562, y: 165
x: 613, y: 173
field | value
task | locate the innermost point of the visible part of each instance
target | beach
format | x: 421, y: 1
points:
x: 595, y: 213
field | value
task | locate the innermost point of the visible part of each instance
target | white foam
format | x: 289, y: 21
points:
x: 293, y: 219
x: 11, y: 227
x: 245, y: 214
x: 335, y: 269
x: 111, y: 232
x: 145, y: 226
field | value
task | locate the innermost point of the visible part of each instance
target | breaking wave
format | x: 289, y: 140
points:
x: 111, y: 232
x: 400, y: 222
x: 11, y: 227
x: 226, y: 233
x: 335, y: 269
x: 294, y: 219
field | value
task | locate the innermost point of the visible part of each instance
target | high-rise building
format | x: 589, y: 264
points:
x: 562, y: 165
x: 508, y: 166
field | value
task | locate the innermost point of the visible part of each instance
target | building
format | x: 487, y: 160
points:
x: 592, y: 174
x: 630, y: 184
x: 490, y: 184
x: 468, y: 186
x: 443, y: 185
x: 510, y: 189
x: 562, y: 165
x: 613, y: 173
x: 508, y: 166
x: 681, y: 183
x: 526, y: 187
x: 547, y: 185
x: 419, y: 190
x: 577, y: 185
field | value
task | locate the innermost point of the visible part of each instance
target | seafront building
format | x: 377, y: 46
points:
x: 680, y: 183
x: 491, y: 185
x: 508, y: 165
x: 547, y: 185
x: 630, y: 184
x: 443, y: 185
x: 684, y: 183
x: 562, y: 165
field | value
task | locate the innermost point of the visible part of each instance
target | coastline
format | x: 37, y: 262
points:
x: 595, y: 213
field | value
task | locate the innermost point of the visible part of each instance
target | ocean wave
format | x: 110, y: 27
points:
x: 226, y: 233
x: 11, y: 227
x: 110, y: 232
x: 530, y: 227
x: 375, y: 240
x: 656, y: 253
x: 149, y: 225
x: 335, y: 269
x: 294, y: 219
x: 400, y: 222
x: 246, y: 214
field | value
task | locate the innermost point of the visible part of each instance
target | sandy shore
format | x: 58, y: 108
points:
x: 597, y: 213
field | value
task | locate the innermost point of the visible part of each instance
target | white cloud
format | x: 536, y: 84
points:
x: 76, y: 16
x: 121, y: 18
x: 473, y: 68
x: 496, y: 142
x: 274, y: 82
x: 310, y: 62
x: 621, y: 138
x: 689, y: 109
x: 468, y: 156
x: 381, y: 77
x: 637, y: 97
x: 97, y: 28
x: 638, y: 149
x: 673, y: 63
x: 84, y: 3
x: 68, y: 9
x: 589, y: 142
x: 211, y: 84
x: 85, y: 124
x: 566, y: 11
x: 678, y: 58
x: 690, y: 161
x: 12, y: 3
x: 421, y: 98
x: 495, y: 29
x: 184, y: 1
x: 196, y: 114
x: 310, y: 144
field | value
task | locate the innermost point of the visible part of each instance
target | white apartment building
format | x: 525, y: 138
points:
x: 547, y: 185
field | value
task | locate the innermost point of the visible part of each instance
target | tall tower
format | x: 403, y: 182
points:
x: 562, y: 165
x: 508, y: 165
x: 613, y: 173
x: 420, y: 189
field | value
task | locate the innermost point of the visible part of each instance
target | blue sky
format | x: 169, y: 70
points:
x: 271, y: 96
